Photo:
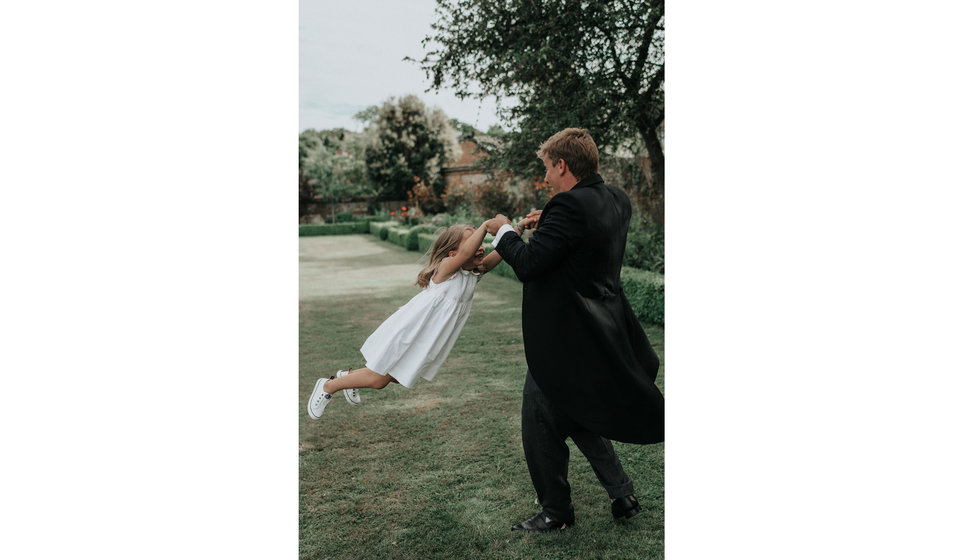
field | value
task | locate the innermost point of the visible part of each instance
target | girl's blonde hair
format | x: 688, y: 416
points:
x: 447, y: 241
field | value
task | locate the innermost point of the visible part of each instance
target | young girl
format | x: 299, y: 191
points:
x: 416, y: 339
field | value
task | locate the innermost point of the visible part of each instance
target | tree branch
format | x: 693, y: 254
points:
x: 644, y: 51
x: 615, y: 57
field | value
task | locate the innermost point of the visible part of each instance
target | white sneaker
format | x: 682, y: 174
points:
x: 318, y: 400
x: 350, y: 394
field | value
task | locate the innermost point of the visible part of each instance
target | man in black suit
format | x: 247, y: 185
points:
x: 591, y: 368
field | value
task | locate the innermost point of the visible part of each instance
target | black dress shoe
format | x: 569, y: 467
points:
x: 542, y: 522
x: 625, y: 507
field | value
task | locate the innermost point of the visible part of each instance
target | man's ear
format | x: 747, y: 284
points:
x: 561, y: 166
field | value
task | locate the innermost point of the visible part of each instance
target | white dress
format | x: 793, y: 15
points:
x: 416, y: 339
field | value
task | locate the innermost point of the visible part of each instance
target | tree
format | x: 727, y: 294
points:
x: 465, y: 130
x: 408, y: 143
x: 332, y: 162
x: 309, y: 141
x: 593, y: 64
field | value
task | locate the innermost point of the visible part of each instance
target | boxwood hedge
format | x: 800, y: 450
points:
x: 380, y: 228
x: 425, y: 241
x: 412, y: 241
x: 345, y: 228
x: 645, y: 291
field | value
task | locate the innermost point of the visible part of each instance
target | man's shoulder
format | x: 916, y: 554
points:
x: 594, y: 186
x: 568, y: 200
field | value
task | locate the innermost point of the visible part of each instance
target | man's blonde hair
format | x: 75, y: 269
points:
x: 576, y: 147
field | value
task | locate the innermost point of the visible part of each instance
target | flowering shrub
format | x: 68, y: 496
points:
x: 494, y: 197
x: 423, y: 197
x: 457, y: 197
x: 406, y: 215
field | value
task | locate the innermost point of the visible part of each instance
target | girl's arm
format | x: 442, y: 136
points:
x: 466, y: 250
x: 494, y: 258
x: 490, y: 261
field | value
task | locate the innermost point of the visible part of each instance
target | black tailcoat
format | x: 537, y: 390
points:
x: 584, y: 346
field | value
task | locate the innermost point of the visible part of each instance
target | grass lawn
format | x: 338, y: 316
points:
x: 437, y: 471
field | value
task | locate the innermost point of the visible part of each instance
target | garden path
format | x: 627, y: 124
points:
x: 333, y: 265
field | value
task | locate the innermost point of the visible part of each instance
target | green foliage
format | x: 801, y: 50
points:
x: 368, y: 224
x: 606, y: 56
x: 332, y: 162
x: 376, y: 226
x: 412, y: 242
x: 409, y: 237
x: 465, y: 130
x: 425, y: 241
x: 407, y: 143
x: 458, y: 198
x: 502, y: 268
x: 381, y: 228
x: 462, y: 215
x: 645, y: 244
x: 345, y: 217
x: 423, y: 196
x: 505, y: 270
x: 645, y: 292
x: 333, y: 229
x: 493, y: 197
x: 310, y: 140
x: 399, y: 236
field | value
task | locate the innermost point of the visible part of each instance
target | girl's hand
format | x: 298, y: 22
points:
x: 493, y: 224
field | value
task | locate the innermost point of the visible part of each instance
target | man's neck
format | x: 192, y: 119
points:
x: 567, y: 184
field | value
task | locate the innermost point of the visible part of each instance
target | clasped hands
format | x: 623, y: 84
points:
x: 530, y: 221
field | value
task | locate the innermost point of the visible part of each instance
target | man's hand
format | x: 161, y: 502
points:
x: 493, y: 225
x: 531, y: 221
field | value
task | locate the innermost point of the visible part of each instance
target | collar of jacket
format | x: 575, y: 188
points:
x: 589, y: 181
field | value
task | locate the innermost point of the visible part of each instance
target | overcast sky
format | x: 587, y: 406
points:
x: 350, y: 57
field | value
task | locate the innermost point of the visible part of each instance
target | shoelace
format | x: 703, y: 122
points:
x: 323, y: 396
x: 353, y: 392
x: 319, y: 400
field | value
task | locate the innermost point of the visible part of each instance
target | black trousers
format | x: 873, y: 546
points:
x: 544, y: 430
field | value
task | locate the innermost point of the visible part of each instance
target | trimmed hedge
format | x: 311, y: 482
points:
x: 502, y: 268
x: 408, y: 237
x: 645, y: 291
x: 398, y: 236
x: 346, y: 228
x: 381, y: 228
x: 425, y: 241
x: 412, y: 243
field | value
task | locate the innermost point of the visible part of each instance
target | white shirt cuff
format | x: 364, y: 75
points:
x: 500, y: 233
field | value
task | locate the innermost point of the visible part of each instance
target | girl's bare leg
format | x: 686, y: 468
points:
x: 359, y: 379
